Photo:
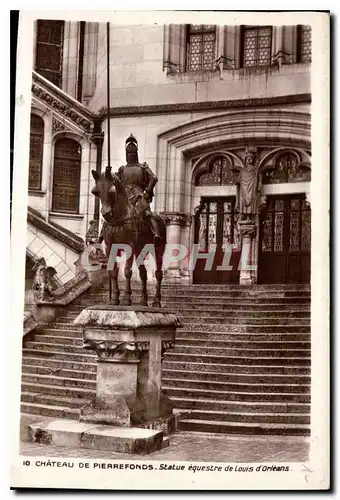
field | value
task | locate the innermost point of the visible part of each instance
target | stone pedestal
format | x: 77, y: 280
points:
x: 129, y: 342
x: 129, y: 414
x: 247, y: 231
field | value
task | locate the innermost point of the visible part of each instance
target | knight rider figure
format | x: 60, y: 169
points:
x: 139, y: 182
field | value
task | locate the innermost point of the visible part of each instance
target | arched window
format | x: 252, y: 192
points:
x: 219, y: 173
x: 36, y: 152
x: 66, y: 176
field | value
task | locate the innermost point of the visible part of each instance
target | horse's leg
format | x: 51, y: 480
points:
x: 144, y: 278
x: 110, y: 285
x: 127, y: 273
x: 113, y: 284
x: 159, y: 252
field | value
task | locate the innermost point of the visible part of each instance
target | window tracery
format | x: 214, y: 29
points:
x: 36, y: 152
x: 66, y: 176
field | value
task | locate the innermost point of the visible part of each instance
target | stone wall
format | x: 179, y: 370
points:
x: 139, y: 77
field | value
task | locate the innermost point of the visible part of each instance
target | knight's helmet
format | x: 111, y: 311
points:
x: 131, y: 149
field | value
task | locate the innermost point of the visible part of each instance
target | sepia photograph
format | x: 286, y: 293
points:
x: 173, y: 304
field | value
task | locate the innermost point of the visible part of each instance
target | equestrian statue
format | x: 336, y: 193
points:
x: 125, y: 206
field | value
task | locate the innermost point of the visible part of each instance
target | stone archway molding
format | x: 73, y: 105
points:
x: 287, y: 128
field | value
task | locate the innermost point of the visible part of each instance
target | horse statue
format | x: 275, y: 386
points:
x: 42, y: 281
x: 125, y: 206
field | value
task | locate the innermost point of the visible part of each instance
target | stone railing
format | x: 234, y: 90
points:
x: 66, y: 107
x: 42, y: 312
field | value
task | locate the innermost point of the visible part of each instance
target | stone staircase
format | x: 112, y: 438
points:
x: 241, y: 363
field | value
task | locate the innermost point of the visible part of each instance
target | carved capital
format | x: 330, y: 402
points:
x: 177, y: 219
x: 166, y: 345
x: 282, y: 57
x: 247, y: 229
x: 225, y: 62
x: 97, y: 138
x: 115, y: 349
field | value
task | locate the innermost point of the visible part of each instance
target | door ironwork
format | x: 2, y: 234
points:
x: 285, y: 240
x: 216, y: 229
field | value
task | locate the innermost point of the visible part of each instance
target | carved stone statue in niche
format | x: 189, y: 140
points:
x: 248, y: 185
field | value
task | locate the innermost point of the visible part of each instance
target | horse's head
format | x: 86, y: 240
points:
x: 105, y: 189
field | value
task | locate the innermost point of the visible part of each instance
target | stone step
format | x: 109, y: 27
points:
x: 227, y: 313
x: 206, y: 288
x: 31, y: 369
x: 244, y: 328
x: 187, y: 319
x: 66, y: 325
x: 209, y: 329
x: 187, y: 392
x: 230, y: 344
x: 59, y: 380
x: 191, y: 336
x: 181, y: 303
x: 258, y: 369
x: 255, y: 407
x: 244, y: 428
x: 60, y: 339
x: 240, y: 351
x: 234, y: 377
x: 240, y: 320
x: 65, y: 348
x: 264, y: 286
x: 58, y: 362
x: 191, y: 342
x: 52, y: 389
x: 49, y: 410
x: 234, y: 359
x: 59, y: 332
x: 248, y: 417
x: 187, y: 295
x: 249, y: 387
x: 54, y: 400
x: 59, y: 355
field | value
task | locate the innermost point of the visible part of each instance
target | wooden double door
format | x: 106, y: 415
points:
x: 216, y: 230
x: 285, y: 240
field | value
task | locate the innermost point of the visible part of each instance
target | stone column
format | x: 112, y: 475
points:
x: 185, y: 271
x: 247, y: 229
x: 174, y: 222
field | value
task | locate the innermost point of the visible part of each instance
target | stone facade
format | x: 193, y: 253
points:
x: 182, y: 120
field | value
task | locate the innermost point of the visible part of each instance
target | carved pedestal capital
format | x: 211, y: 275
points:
x: 247, y: 229
x: 115, y: 349
x: 177, y: 219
